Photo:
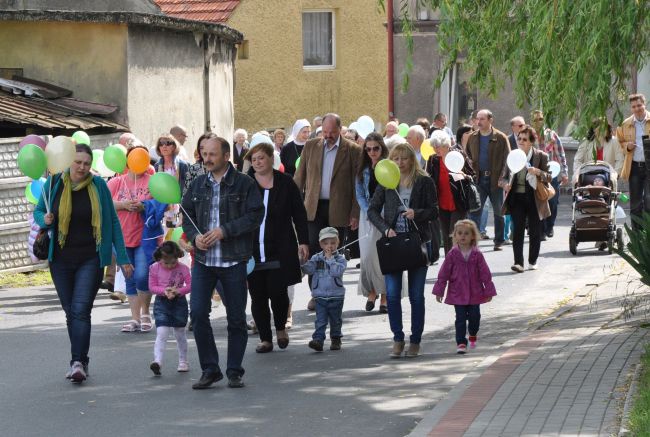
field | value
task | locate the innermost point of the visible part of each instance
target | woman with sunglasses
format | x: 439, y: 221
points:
x: 521, y: 202
x: 371, y: 280
x: 167, y: 148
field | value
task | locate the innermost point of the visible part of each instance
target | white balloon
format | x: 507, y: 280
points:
x: 454, y: 161
x: 366, y: 123
x: 620, y: 213
x: 276, y: 161
x: 60, y: 153
x: 554, y: 168
x: 516, y: 160
x: 354, y: 125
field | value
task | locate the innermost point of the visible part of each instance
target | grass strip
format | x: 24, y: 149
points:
x: 640, y: 414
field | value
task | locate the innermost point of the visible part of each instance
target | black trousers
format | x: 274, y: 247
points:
x: 639, y: 191
x: 447, y: 221
x: 522, y: 207
x: 321, y: 221
x: 264, y: 285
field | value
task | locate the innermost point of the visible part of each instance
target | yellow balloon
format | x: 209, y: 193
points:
x: 387, y: 174
x: 426, y: 149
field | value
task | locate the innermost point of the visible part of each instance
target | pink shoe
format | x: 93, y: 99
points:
x: 461, y: 349
x: 472, y: 342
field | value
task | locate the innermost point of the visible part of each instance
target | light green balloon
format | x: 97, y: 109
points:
x: 81, y: 137
x: 28, y: 194
x: 297, y: 162
x: 97, y: 157
x: 403, y: 130
x: 387, y: 174
x: 176, y: 235
x: 165, y: 188
x: 115, y: 158
x: 32, y: 161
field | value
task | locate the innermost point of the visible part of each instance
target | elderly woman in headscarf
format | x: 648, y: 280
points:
x: 293, y: 149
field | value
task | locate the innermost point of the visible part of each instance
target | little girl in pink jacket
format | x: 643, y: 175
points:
x: 470, y: 283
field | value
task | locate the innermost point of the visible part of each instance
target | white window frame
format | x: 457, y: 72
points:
x: 320, y: 67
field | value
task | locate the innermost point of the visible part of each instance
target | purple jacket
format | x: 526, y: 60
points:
x: 470, y: 282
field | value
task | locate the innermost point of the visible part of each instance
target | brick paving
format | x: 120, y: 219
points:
x: 568, y: 378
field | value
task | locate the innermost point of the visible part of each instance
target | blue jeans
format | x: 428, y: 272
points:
x: 508, y: 227
x: 496, y: 199
x: 468, y: 318
x: 416, y: 279
x: 328, y: 310
x: 482, y: 227
x: 549, y: 222
x: 233, y: 296
x: 139, y: 280
x: 76, y: 285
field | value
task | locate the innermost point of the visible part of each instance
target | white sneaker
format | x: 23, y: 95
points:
x: 183, y: 366
x: 532, y: 266
x: 517, y: 268
x: 77, y: 373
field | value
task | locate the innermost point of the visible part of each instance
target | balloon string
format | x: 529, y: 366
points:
x: 405, y: 207
x: 349, y: 244
x: 190, y: 219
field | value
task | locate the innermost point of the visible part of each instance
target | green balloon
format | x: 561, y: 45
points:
x: 97, y: 157
x: 403, y: 130
x: 32, y: 161
x: 176, y: 235
x: 297, y: 162
x: 165, y: 188
x: 115, y: 158
x: 624, y: 198
x: 28, y: 194
x: 387, y: 174
x: 81, y: 137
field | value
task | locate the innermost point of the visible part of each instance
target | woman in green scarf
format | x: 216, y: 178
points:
x: 78, y: 210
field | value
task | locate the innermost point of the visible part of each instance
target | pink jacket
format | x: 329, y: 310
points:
x: 161, y: 278
x: 470, y: 282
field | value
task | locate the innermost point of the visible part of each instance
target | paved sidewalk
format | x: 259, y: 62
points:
x: 570, y: 377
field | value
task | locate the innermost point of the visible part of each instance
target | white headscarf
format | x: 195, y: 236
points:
x: 297, y: 127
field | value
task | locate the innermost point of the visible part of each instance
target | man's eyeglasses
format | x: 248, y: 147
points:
x: 373, y: 149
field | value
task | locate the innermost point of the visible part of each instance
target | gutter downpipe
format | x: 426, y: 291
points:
x: 391, y: 77
x: 206, y: 83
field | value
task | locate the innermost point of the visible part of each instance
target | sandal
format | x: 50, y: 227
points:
x: 145, y: 323
x: 131, y: 326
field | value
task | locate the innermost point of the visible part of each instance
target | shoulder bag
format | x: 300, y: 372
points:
x: 544, y: 191
x: 41, y: 246
x: 403, y: 252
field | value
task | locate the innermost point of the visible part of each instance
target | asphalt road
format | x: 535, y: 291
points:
x: 357, y: 391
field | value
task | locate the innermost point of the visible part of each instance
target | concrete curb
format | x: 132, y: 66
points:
x: 431, y: 419
x: 629, y: 399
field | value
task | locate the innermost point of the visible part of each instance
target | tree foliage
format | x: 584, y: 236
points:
x: 572, y: 58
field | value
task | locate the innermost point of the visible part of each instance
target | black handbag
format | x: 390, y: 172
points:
x: 471, y: 196
x: 403, y: 252
x: 41, y: 246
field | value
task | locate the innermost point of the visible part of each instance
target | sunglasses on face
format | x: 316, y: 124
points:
x: 373, y: 149
x: 166, y: 143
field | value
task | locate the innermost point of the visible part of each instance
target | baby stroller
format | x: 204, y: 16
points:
x: 594, y: 207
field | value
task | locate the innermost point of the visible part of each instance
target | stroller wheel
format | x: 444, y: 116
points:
x: 620, y: 242
x: 573, y: 244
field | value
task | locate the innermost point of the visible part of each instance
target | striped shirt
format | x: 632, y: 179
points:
x: 213, y: 257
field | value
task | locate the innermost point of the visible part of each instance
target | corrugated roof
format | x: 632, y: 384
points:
x: 32, y: 111
x: 214, y: 11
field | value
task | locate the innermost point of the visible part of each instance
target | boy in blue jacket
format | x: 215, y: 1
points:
x: 327, y: 268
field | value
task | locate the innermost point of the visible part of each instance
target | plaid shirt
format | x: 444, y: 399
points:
x: 551, y: 144
x: 213, y: 254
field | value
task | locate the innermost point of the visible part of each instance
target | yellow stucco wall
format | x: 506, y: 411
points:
x: 273, y: 90
x: 87, y: 58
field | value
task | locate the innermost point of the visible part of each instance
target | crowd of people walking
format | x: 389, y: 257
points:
x: 259, y: 213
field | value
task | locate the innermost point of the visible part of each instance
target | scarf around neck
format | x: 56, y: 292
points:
x: 65, y: 208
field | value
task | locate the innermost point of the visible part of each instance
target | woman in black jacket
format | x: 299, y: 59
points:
x: 412, y: 205
x: 452, y: 202
x: 277, y: 253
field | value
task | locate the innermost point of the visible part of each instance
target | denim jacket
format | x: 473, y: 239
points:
x: 327, y: 279
x: 362, y: 190
x: 240, y: 211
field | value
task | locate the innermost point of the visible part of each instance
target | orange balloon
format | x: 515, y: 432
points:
x: 138, y: 160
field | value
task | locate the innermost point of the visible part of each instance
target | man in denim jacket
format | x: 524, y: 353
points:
x: 222, y: 209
